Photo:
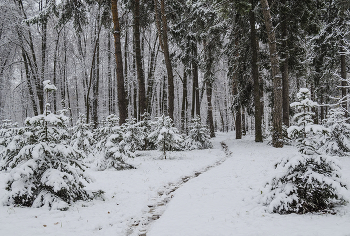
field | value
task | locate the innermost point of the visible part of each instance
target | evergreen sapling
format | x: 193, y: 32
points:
x: 110, y: 151
x: 198, y: 137
x: 309, y: 181
x: 165, y: 135
x: 46, y: 172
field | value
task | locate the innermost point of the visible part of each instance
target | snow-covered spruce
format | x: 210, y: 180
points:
x: 133, y: 137
x: 309, y: 181
x: 198, y: 137
x: 337, y: 143
x: 165, y: 135
x: 110, y: 151
x: 305, y: 183
x: 82, y: 136
x: 307, y: 134
x: 8, y: 129
x: 45, y: 171
x: 146, y: 125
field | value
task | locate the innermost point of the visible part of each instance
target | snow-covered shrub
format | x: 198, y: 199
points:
x: 46, y: 171
x: 8, y: 129
x: 146, y: 126
x: 305, y: 183
x: 337, y: 143
x: 198, y: 137
x: 309, y: 181
x: 307, y: 134
x: 165, y: 135
x: 82, y: 136
x: 133, y: 137
x: 110, y: 151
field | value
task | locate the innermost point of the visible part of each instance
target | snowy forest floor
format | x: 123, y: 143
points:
x: 193, y: 193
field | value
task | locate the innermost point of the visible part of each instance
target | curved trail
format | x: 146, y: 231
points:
x: 158, y: 204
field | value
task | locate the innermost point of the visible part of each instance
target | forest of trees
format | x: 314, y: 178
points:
x: 236, y: 64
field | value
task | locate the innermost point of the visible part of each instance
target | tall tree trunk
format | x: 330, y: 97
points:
x: 343, y: 82
x: 184, y: 103
x: 96, y: 85
x: 255, y: 74
x: 208, y: 78
x: 238, y: 123
x: 195, y: 86
x: 150, y: 78
x: 244, y: 124
x: 43, y: 55
x: 109, y: 77
x: 284, y: 69
x: 277, y: 138
x: 163, y: 35
x: 138, y: 55
x: 122, y: 103
x: 210, y: 108
x: 29, y: 84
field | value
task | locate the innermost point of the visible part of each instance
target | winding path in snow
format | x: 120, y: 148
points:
x: 158, y: 204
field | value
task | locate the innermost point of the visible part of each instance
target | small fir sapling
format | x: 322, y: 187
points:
x: 83, y: 137
x: 305, y: 126
x: 165, y: 135
x: 110, y: 152
x: 309, y: 181
x: 46, y: 172
x: 198, y: 137
x: 11, y: 141
x: 8, y: 129
x: 133, y: 137
x: 146, y: 125
x: 337, y: 143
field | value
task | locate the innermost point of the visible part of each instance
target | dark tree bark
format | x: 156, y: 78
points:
x: 96, y: 85
x: 184, y: 103
x: 277, y: 138
x: 195, y: 86
x: 343, y: 81
x: 284, y: 66
x: 210, y: 108
x: 162, y: 26
x: 238, y: 123
x: 43, y: 57
x: 244, y: 125
x: 29, y: 84
x: 150, y: 77
x: 111, y: 105
x: 208, y: 78
x: 122, y: 103
x: 138, y: 57
x: 255, y: 74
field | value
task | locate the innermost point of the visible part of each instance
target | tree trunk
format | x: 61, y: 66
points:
x: 122, y: 103
x: 111, y: 107
x: 43, y: 56
x: 163, y: 35
x: 343, y: 81
x: 138, y: 55
x: 210, y: 108
x: 255, y: 74
x: 29, y: 84
x: 184, y: 103
x: 195, y: 87
x: 277, y: 138
x: 208, y: 78
x: 284, y: 69
x: 238, y: 123
x: 96, y: 85
x: 150, y: 78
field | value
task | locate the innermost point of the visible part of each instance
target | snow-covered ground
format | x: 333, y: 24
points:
x: 223, y: 200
